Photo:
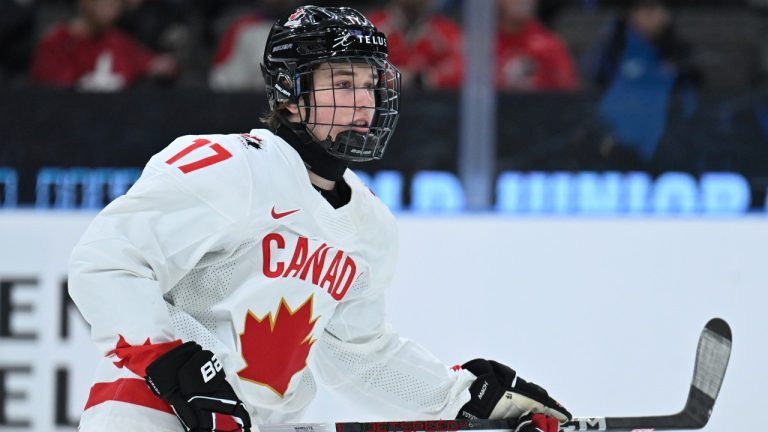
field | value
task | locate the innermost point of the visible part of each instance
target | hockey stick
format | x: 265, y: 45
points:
x: 712, y: 354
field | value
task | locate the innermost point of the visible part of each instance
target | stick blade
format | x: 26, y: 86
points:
x: 712, y: 356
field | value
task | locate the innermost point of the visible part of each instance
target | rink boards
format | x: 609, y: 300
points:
x: 602, y: 312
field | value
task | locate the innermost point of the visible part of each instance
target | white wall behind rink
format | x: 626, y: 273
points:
x: 605, y: 313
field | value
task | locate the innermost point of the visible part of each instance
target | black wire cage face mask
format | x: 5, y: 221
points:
x: 355, y: 98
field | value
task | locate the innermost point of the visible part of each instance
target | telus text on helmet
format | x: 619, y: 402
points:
x: 346, y: 39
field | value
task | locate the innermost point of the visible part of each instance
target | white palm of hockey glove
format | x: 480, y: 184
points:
x: 498, y: 393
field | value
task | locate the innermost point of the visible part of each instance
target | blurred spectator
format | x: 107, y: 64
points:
x: 17, y: 33
x: 165, y: 26
x: 648, y: 75
x: 548, y: 10
x: 171, y: 27
x: 236, y: 63
x: 90, y: 53
x: 530, y: 57
x: 424, y: 45
x: 159, y: 25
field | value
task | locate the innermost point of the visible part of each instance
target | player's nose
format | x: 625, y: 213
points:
x: 364, y: 98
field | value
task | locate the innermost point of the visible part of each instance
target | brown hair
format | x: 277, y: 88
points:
x: 272, y: 118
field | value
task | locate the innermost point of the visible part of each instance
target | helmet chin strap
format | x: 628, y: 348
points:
x: 314, y: 155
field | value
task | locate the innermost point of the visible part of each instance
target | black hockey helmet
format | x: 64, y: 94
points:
x: 313, y: 36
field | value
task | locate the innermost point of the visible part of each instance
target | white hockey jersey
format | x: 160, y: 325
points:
x: 224, y: 241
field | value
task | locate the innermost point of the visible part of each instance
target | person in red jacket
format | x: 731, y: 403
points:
x: 90, y: 53
x: 425, y: 46
x: 237, y: 60
x: 530, y: 57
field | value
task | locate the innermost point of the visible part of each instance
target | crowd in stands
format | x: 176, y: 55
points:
x: 646, y: 62
x: 107, y: 45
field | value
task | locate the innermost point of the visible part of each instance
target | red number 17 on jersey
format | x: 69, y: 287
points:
x: 220, y: 154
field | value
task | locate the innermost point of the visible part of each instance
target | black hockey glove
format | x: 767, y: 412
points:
x: 498, y: 393
x: 192, y: 381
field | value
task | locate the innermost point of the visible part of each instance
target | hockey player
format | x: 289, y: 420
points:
x: 239, y: 267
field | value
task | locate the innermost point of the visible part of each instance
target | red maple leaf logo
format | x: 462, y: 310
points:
x: 276, y: 348
x: 296, y: 15
x: 136, y: 358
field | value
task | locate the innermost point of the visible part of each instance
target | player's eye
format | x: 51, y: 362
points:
x: 343, y: 84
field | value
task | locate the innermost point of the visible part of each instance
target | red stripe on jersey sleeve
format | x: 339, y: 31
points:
x: 128, y: 390
x: 136, y: 358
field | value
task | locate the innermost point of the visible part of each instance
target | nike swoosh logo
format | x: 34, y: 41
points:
x: 280, y: 215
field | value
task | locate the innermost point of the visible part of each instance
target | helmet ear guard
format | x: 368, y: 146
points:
x: 279, y: 85
x: 284, y: 86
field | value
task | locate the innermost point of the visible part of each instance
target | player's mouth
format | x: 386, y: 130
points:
x: 360, y: 126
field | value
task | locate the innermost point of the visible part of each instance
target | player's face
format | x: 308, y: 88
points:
x: 650, y: 20
x: 516, y: 10
x: 102, y: 13
x: 343, y: 99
